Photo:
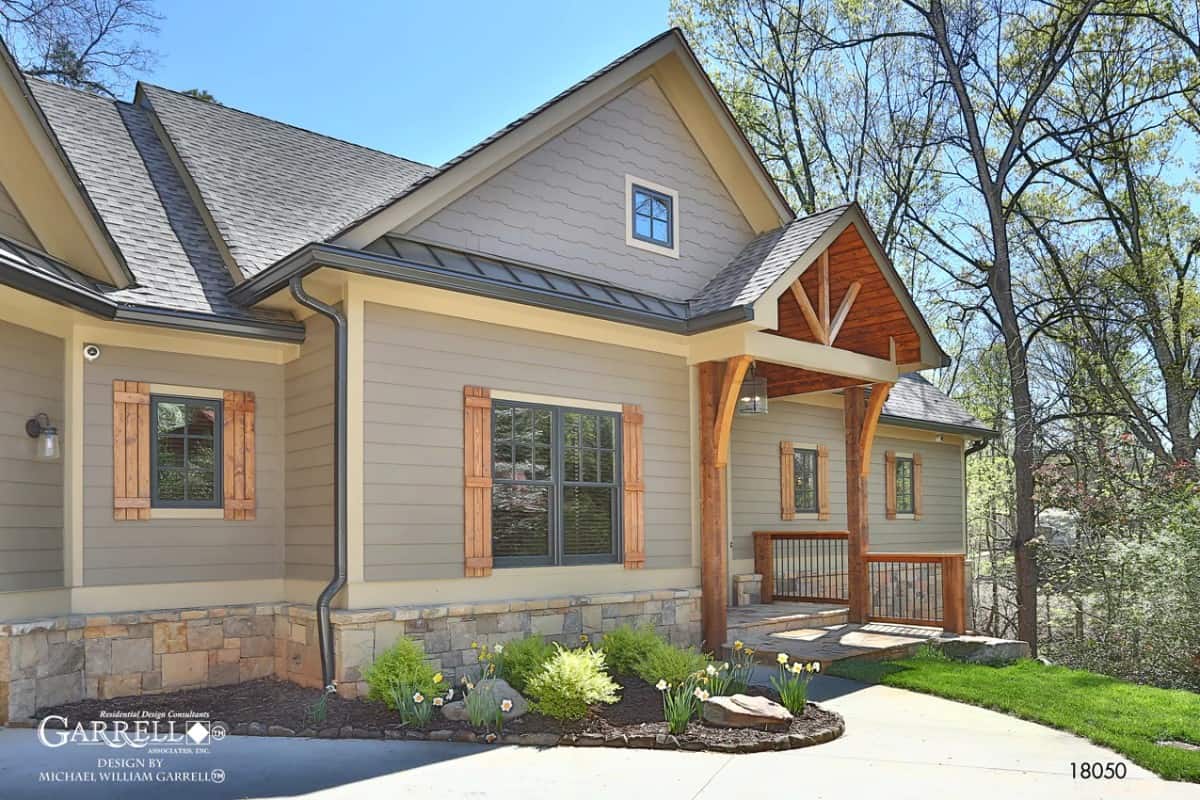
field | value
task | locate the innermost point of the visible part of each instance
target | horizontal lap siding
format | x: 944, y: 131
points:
x: 563, y: 204
x: 162, y: 550
x: 754, y: 468
x: 31, y: 492
x: 308, y: 425
x: 416, y: 366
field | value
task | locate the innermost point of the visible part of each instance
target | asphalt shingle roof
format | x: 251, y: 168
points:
x: 760, y: 263
x: 914, y: 398
x: 270, y: 187
x: 118, y: 156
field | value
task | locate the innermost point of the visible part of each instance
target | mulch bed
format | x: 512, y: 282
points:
x: 271, y: 707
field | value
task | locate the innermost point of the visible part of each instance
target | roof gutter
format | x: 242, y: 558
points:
x: 338, y: 581
x: 317, y: 255
x: 73, y: 296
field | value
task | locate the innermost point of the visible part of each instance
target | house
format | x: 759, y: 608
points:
x: 273, y: 399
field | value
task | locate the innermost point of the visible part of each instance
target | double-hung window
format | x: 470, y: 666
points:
x: 556, y: 495
x: 806, y: 476
x: 185, y: 452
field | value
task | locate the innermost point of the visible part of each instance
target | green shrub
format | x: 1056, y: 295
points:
x: 571, y: 681
x: 625, y: 647
x: 523, y: 659
x: 670, y: 663
x: 402, y: 666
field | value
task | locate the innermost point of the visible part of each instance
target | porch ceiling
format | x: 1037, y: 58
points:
x: 783, y: 380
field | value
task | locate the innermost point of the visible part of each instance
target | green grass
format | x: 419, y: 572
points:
x: 1124, y: 717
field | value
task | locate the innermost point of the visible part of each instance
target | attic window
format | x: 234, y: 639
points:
x: 652, y: 221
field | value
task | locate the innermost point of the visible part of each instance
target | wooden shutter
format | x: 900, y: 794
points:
x: 477, y: 481
x: 131, y: 450
x: 889, y: 482
x: 237, y: 447
x: 787, y: 480
x: 823, y: 482
x: 634, y: 487
x: 916, y: 482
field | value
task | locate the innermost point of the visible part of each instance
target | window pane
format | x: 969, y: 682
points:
x: 170, y: 451
x: 201, y: 420
x: 607, y: 432
x: 200, y: 486
x: 660, y: 231
x: 170, y: 484
x: 608, y: 467
x: 523, y: 467
x: 200, y: 455
x: 589, y: 424
x: 541, y: 426
x: 571, y: 466
x: 502, y: 420
x: 522, y: 425
x: 502, y: 460
x: 170, y: 418
x: 520, y: 520
x: 641, y: 226
x: 660, y: 209
x: 590, y: 472
x: 587, y: 520
x: 641, y: 203
x: 541, y: 463
x: 904, y: 486
x: 806, y: 480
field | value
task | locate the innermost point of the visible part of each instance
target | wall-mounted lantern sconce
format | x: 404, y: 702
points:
x: 39, y: 428
x: 752, y: 399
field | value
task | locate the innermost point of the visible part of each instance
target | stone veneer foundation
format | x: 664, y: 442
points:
x: 47, y: 662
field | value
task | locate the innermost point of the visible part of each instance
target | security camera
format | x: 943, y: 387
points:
x: 91, y: 351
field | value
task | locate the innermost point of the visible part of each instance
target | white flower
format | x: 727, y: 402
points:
x: 437, y: 701
x: 506, y: 705
x: 499, y: 648
x: 710, y: 669
x: 700, y: 694
x: 782, y: 658
x: 661, y: 685
x: 418, y: 698
x: 816, y: 666
x: 450, y: 694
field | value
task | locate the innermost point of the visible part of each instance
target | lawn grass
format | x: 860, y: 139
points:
x: 1121, y: 716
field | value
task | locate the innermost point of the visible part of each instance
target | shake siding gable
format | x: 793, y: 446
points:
x: 563, y: 204
x: 31, y: 492
x: 166, y: 550
x: 416, y: 367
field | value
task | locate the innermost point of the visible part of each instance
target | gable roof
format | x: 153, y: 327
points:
x: 271, y: 187
x: 671, y: 41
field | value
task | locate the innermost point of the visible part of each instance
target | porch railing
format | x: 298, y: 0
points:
x: 905, y: 588
x: 804, y: 566
x: 917, y: 589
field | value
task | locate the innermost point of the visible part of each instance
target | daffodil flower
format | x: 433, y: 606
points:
x: 782, y: 658
x: 499, y: 648
x: 737, y: 645
x: 661, y: 685
x: 710, y: 669
x: 437, y: 678
x: 816, y: 666
x: 506, y: 705
x: 438, y: 701
x: 474, y: 645
x: 418, y: 698
x: 450, y: 694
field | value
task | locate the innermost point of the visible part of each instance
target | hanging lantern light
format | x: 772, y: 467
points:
x: 752, y: 399
x: 39, y: 428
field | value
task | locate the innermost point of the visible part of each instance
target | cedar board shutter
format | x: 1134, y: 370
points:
x: 477, y: 481
x: 787, y: 480
x: 237, y: 447
x: 889, y: 480
x: 131, y: 450
x: 916, y: 460
x: 823, y: 511
x: 634, y: 486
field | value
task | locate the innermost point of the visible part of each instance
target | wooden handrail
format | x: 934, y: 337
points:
x: 802, y: 534
x: 910, y: 558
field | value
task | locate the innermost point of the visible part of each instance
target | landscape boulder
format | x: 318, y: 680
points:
x: 982, y: 649
x: 500, y: 690
x: 744, y: 711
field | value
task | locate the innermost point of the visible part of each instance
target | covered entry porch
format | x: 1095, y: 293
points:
x: 841, y: 325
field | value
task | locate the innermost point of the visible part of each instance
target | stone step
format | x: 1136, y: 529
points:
x: 786, y: 621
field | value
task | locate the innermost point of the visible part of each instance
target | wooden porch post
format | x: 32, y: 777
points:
x: 857, y: 543
x: 719, y: 383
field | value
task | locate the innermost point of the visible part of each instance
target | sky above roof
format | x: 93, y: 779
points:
x: 419, y: 80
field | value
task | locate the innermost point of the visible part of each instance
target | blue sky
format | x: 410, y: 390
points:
x: 424, y: 80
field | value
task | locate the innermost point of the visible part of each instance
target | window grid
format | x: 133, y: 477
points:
x: 805, y: 474
x: 653, y: 214
x: 550, y: 510
x: 186, y: 459
x: 905, y: 490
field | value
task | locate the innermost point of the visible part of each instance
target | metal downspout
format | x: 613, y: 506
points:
x: 338, y: 581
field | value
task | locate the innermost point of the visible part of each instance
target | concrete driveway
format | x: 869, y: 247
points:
x: 897, y: 744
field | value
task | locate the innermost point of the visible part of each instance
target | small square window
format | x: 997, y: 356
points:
x: 185, y: 452
x: 652, y: 216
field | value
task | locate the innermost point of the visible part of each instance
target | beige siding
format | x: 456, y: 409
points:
x: 31, y: 492
x: 563, y: 205
x: 12, y: 224
x: 416, y: 366
x: 754, y: 482
x: 308, y: 425
x: 158, y: 551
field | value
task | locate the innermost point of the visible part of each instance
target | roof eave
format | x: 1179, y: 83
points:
x: 967, y: 431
